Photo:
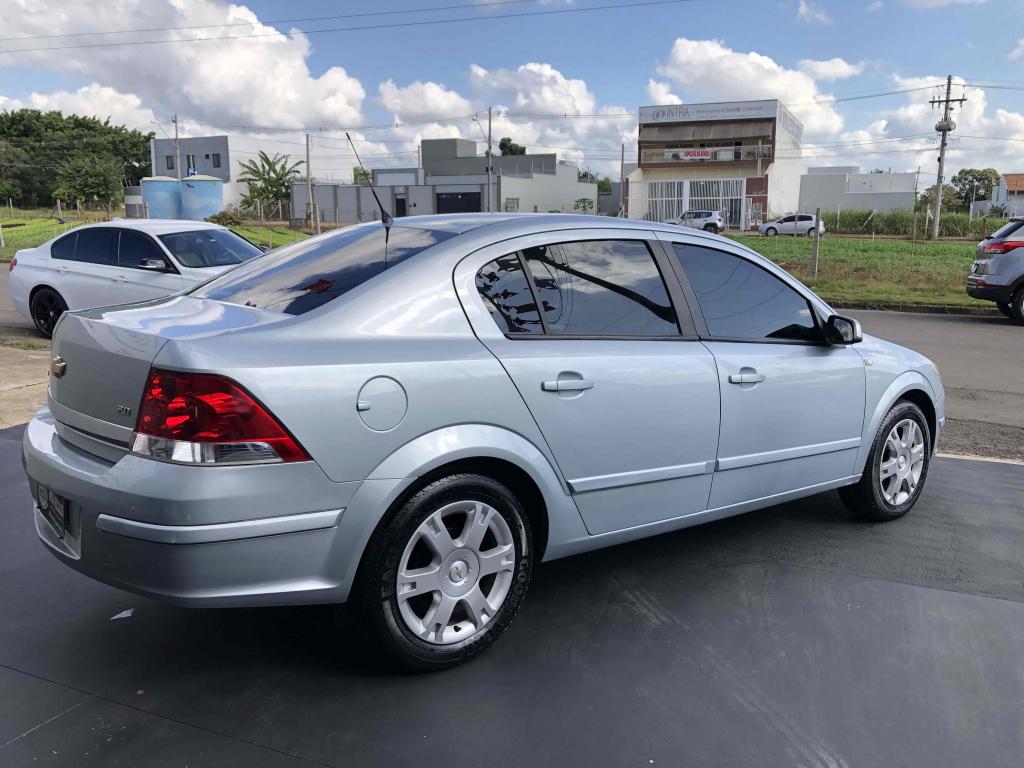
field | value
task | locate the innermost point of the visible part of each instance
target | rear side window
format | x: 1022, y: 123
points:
x: 740, y: 300
x: 302, y: 276
x: 601, y: 288
x: 97, y: 246
x: 506, y: 293
x: 135, y: 248
x: 65, y: 247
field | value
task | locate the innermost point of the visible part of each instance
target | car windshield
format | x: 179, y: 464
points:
x: 302, y: 276
x: 1007, y: 229
x: 200, y: 248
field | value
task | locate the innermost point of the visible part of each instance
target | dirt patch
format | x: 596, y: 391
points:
x: 981, y: 438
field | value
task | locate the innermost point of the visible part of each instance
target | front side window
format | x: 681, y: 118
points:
x: 135, y: 248
x: 304, y: 275
x: 97, y: 246
x: 209, y: 248
x: 506, y: 293
x: 787, y: 220
x: 601, y: 288
x: 740, y: 300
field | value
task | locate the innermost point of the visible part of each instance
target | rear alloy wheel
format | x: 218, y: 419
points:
x: 771, y: 232
x: 1006, y: 309
x: 46, y: 308
x: 444, y: 577
x: 1017, y: 306
x: 896, y: 467
x: 711, y: 228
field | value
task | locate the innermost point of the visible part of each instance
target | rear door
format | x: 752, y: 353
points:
x: 136, y: 283
x: 602, y: 350
x: 86, y: 274
x: 792, y: 406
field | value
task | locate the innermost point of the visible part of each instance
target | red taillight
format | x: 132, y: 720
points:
x: 13, y: 264
x: 201, y: 418
x: 1003, y: 246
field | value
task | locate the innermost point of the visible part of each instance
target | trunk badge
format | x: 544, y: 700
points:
x: 57, y: 366
x: 124, y: 410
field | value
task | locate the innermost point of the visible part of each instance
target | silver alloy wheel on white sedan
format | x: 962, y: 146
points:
x: 463, y: 586
x: 901, y: 462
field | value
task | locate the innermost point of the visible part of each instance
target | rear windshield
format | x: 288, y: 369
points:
x: 209, y: 248
x: 1007, y: 229
x: 305, y: 275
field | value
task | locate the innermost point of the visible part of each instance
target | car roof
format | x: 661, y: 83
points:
x: 154, y: 226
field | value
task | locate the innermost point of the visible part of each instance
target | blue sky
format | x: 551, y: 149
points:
x: 801, y: 51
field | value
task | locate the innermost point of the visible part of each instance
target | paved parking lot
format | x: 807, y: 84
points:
x: 791, y: 636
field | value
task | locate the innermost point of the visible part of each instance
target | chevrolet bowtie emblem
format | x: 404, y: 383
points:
x: 57, y: 366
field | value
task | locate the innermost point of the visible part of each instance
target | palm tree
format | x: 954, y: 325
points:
x: 269, y: 180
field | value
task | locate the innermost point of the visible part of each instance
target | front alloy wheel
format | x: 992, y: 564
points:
x: 444, y: 574
x: 771, y: 232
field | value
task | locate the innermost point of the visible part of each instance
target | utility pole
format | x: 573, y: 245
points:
x: 309, y: 189
x: 622, y: 179
x: 944, y: 127
x: 177, y: 146
x: 490, y: 196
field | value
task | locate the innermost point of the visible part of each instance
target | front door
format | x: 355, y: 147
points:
x: 792, y: 406
x: 625, y: 397
x: 134, y: 282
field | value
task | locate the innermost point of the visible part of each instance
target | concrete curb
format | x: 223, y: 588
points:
x: 926, y: 309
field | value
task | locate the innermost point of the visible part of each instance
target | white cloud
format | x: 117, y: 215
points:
x: 830, y: 69
x: 419, y: 100
x: 707, y: 70
x: 661, y: 93
x: 812, y: 13
x: 876, y: 5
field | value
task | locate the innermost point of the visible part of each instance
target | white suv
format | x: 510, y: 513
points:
x: 709, y: 221
x: 794, y: 224
x: 120, y: 262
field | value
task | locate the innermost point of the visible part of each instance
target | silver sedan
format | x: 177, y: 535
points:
x: 410, y: 420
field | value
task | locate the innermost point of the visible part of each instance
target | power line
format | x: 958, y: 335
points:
x: 393, y: 25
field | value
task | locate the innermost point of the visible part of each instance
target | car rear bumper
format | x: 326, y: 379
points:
x: 978, y: 288
x: 212, y: 536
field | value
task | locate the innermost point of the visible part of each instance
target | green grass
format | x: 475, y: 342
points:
x: 29, y: 346
x: 271, y: 236
x: 876, y: 271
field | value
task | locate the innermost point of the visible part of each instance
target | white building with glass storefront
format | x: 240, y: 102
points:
x: 738, y: 157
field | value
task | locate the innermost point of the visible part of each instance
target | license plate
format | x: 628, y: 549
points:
x: 54, y: 508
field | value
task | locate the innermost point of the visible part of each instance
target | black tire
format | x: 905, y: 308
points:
x: 865, y: 498
x: 810, y: 232
x: 375, y: 593
x: 46, y: 307
x: 711, y: 228
x: 1017, y: 306
x: 771, y: 232
x: 1006, y: 309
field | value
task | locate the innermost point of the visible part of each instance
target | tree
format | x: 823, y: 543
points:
x: 508, y: 147
x: 926, y: 199
x: 90, y: 179
x: 604, y: 186
x: 584, y: 205
x: 34, y: 145
x: 361, y: 176
x: 974, y: 184
x: 269, y: 180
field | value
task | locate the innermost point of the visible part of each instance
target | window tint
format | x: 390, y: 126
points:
x: 787, y: 220
x: 804, y: 218
x: 135, y: 248
x: 209, y: 248
x: 503, y: 287
x: 1007, y: 229
x: 97, y: 246
x: 742, y: 301
x: 302, y: 276
x: 65, y: 247
x: 601, y: 288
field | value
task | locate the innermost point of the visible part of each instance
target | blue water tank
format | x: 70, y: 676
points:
x: 201, y: 196
x: 161, y: 196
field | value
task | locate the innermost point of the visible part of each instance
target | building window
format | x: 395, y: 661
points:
x: 190, y: 164
x: 169, y: 160
x: 216, y: 159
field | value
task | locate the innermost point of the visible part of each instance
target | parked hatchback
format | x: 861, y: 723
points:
x: 120, y: 262
x: 709, y: 221
x: 794, y: 224
x: 998, y: 270
x: 410, y: 421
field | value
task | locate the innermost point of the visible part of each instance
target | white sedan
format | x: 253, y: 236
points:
x: 120, y: 262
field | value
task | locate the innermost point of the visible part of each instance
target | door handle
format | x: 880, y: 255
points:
x: 120, y: 278
x: 567, y: 385
x: 746, y: 378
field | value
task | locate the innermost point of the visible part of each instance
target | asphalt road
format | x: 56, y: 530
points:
x: 793, y: 636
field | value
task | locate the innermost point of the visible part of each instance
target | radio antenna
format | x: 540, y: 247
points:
x: 385, y: 217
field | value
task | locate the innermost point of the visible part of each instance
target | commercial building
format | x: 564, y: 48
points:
x: 739, y: 157
x: 452, y: 178
x: 834, y: 188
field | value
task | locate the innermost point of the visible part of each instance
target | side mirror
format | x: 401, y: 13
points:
x: 154, y: 265
x: 263, y: 248
x: 841, y: 330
